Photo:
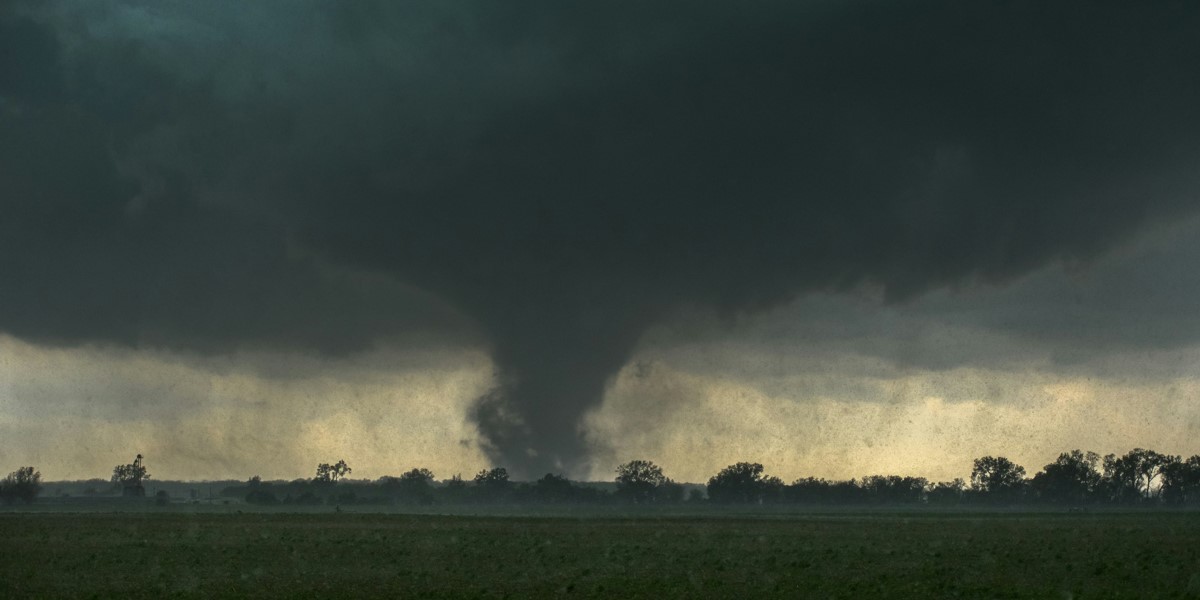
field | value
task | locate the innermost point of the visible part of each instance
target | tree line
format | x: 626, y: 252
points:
x: 1075, y: 478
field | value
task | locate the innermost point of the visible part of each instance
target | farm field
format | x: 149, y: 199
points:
x: 841, y: 555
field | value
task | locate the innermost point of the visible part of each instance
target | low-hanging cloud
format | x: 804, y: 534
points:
x: 75, y: 412
x: 560, y: 178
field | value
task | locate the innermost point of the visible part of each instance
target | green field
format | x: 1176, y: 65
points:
x: 839, y: 555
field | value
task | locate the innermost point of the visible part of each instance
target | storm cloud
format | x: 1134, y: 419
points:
x: 553, y: 180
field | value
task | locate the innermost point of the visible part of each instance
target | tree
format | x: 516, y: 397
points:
x: 340, y: 471
x: 495, y: 478
x: 638, y: 480
x: 997, y: 478
x: 454, y: 489
x: 1181, y: 481
x: 1120, y: 479
x: 743, y: 483
x: 130, y: 477
x: 809, y: 490
x: 414, y: 486
x: 1131, y: 477
x: 553, y: 488
x: 417, y: 478
x: 24, y: 484
x: 330, y: 474
x: 669, y: 492
x: 946, y: 492
x: 1071, y: 479
x: 889, y: 489
x: 492, y: 485
x: 258, y: 492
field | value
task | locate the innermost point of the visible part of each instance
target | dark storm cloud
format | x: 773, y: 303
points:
x: 567, y: 175
x: 92, y: 250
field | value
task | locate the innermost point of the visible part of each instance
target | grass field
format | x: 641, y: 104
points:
x: 842, y: 555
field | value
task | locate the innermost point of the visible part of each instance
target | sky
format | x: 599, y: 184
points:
x: 836, y: 237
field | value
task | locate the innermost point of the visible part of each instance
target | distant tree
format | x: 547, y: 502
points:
x: 1071, y: 479
x: 492, y: 485
x: 454, y: 489
x: 417, y: 478
x: 997, y: 478
x: 494, y: 478
x: 638, y: 480
x: 1149, y: 468
x: 330, y: 474
x: 736, y: 483
x: 415, y: 486
x: 808, y: 490
x: 669, y: 492
x: 340, y: 470
x: 1131, y: 477
x: 553, y: 488
x: 255, y: 491
x: 419, y: 474
x: 1181, y: 481
x: 893, y: 489
x: 743, y: 483
x: 946, y: 492
x: 130, y: 477
x: 1120, y: 479
x: 96, y: 486
x: 772, y: 489
x: 24, y: 484
x: 162, y: 498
